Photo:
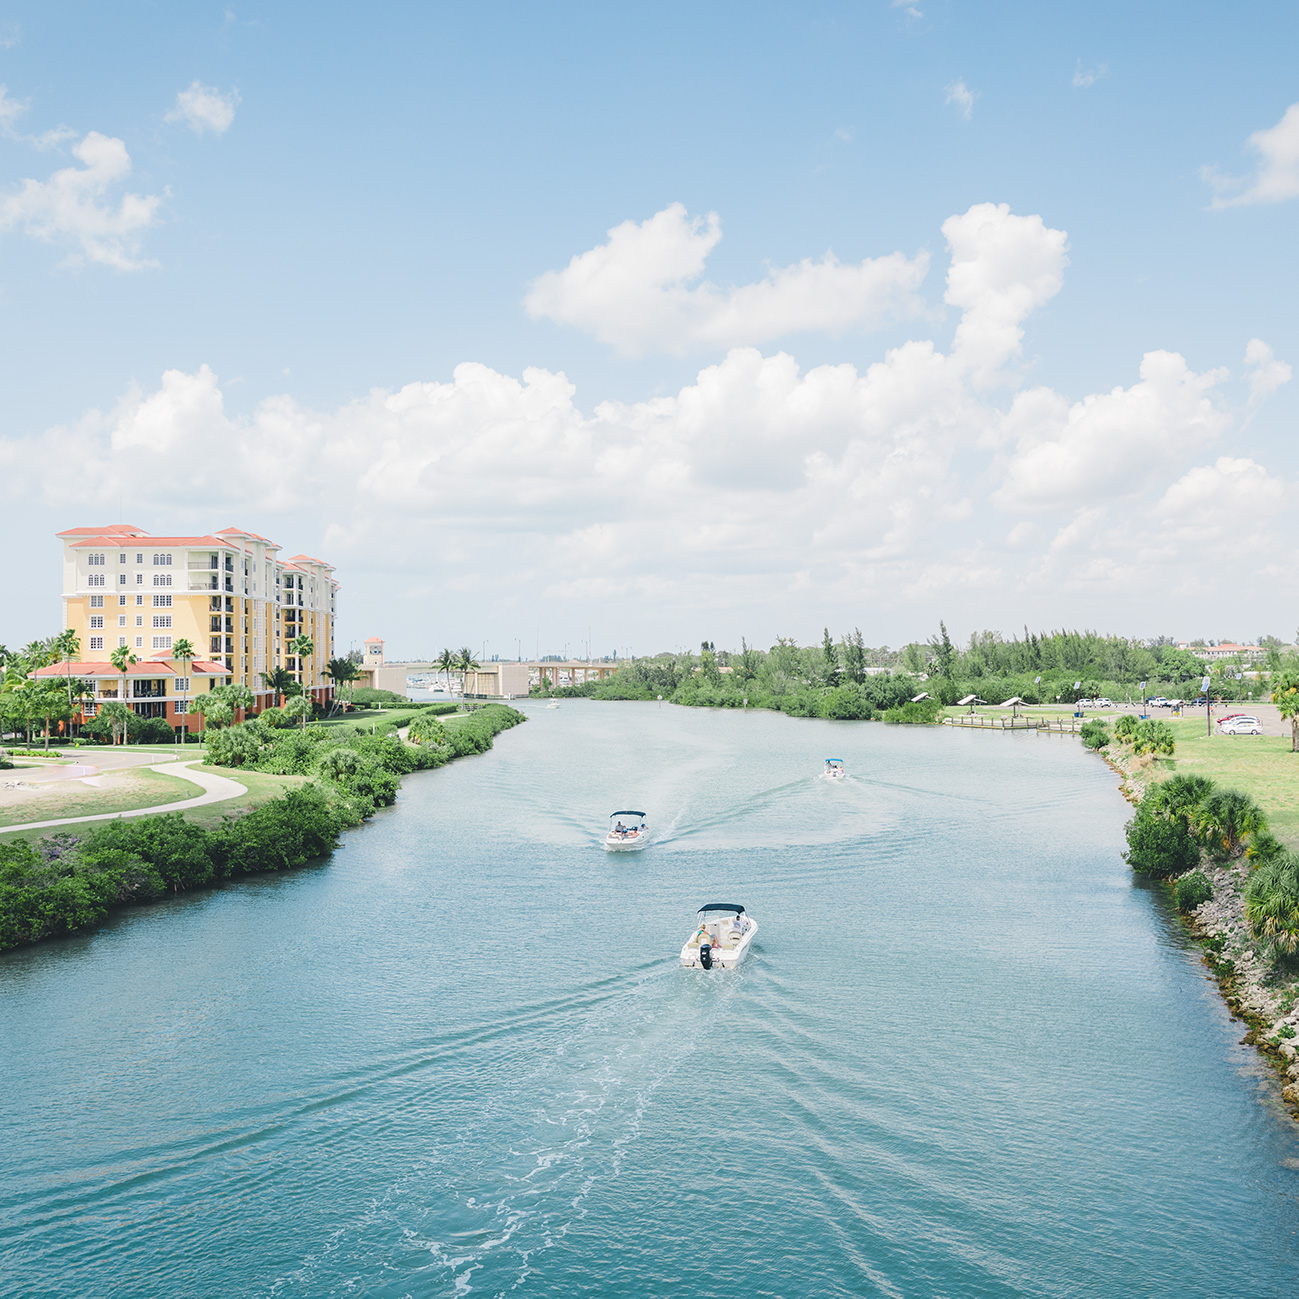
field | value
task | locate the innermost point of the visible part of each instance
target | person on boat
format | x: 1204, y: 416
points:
x: 620, y: 829
x: 739, y: 925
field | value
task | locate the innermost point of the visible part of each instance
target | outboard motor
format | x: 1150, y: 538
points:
x: 706, y: 955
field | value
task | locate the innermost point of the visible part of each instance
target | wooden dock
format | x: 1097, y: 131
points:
x: 1066, y: 726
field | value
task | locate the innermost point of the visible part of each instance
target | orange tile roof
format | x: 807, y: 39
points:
x: 310, y: 560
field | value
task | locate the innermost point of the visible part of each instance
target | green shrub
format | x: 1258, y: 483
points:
x: 1125, y: 728
x: 1159, y: 846
x: 369, y: 697
x: 426, y: 729
x: 847, y: 703
x: 1095, y: 734
x: 1154, y: 737
x: 1192, y: 890
x: 924, y: 712
x: 1272, y: 905
x: 155, y: 730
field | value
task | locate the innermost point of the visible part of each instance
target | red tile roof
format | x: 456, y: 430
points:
x: 374, y: 640
x: 243, y: 532
x: 142, y: 668
x: 308, y: 559
x: 108, y: 530
x: 108, y: 541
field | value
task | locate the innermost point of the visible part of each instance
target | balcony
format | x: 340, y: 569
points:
x: 149, y: 690
x: 201, y: 565
x: 203, y: 583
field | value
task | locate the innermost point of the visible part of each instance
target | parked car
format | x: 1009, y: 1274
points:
x: 1102, y: 703
x: 1158, y: 702
x: 1240, y: 725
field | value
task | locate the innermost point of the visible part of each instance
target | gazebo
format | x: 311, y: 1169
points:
x: 973, y: 700
x: 1013, y: 703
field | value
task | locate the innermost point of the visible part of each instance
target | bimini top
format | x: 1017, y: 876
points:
x: 625, y: 812
x: 839, y: 760
x: 723, y: 906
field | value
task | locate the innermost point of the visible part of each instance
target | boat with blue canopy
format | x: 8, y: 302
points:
x: 721, y: 939
x: 627, y: 835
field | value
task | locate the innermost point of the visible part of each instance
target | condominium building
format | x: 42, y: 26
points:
x: 229, y: 594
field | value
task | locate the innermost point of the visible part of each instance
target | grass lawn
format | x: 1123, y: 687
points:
x: 122, y: 791
x: 260, y: 786
x: 1261, y: 765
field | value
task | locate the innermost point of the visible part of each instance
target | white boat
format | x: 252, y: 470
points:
x: 834, y: 769
x: 722, y: 938
x: 627, y: 836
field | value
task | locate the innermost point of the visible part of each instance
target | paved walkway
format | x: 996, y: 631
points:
x: 216, y: 789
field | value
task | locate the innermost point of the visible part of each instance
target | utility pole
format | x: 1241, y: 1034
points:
x: 1208, y: 709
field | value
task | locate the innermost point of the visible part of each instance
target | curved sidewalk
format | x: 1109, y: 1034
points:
x: 216, y: 789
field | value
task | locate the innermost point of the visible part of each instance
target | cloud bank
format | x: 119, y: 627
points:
x: 758, y: 487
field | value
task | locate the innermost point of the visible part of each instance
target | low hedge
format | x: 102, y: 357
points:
x: 71, y: 882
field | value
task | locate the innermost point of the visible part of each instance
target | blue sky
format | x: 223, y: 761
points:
x: 337, y: 207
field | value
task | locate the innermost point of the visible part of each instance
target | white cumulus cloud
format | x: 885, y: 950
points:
x: 962, y: 97
x: 204, y: 108
x: 1109, y: 444
x: 1264, y: 372
x: 641, y: 291
x: 1276, y: 175
x: 74, y: 207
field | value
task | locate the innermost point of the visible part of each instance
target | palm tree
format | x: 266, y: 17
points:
x: 1272, y: 904
x: 342, y: 672
x: 122, y: 658
x: 446, y: 664
x: 464, y: 665
x: 183, y: 652
x: 68, y: 645
x: 1225, y: 817
x: 281, y: 682
x: 302, y: 647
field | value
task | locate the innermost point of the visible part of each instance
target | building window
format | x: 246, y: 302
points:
x: 97, y: 642
x: 214, y: 644
x: 182, y: 707
x: 139, y: 620
x: 163, y: 560
x: 121, y: 579
x: 121, y: 620
x: 139, y: 579
x: 121, y: 640
x: 94, y: 560
x: 161, y: 620
x: 121, y: 559
x: 162, y: 642
x: 139, y: 642
x: 95, y: 579
x: 182, y: 684
x: 162, y: 602
x: 96, y: 622
x: 89, y: 710
x: 139, y: 600
x: 121, y: 599
x: 96, y: 601
x: 139, y: 559
x: 161, y: 579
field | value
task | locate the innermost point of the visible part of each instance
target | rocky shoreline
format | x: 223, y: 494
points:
x: 1243, y: 974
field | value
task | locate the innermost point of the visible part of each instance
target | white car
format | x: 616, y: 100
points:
x: 1158, y: 702
x: 1240, y: 726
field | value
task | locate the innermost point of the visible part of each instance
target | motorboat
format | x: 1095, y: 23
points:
x: 629, y: 835
x: 834, y: 769
x: 721, y: 939
x: 554, y: 703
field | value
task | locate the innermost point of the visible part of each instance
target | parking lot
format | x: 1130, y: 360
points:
x: 1269, y: 717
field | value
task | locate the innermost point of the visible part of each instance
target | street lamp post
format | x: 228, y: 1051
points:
x: 1208, y: 709
x: 1143, y: 701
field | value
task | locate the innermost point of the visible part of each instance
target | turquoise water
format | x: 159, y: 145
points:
x: 967, y: 1057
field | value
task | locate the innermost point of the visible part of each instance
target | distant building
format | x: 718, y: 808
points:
x: 228, y: 593
x: 1224, y: 651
